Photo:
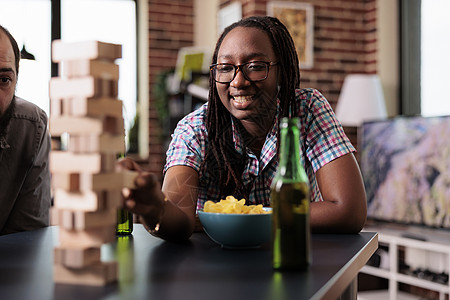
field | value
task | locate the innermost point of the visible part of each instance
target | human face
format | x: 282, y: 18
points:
x: 248, y: 101
x: 8, y: 76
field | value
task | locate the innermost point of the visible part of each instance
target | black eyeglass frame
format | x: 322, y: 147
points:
x: 268, y: 64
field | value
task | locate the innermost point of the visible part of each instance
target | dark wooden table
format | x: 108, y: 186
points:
x: 150, y: 268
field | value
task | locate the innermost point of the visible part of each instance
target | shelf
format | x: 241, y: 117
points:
x: 384, y: 294
x: 426, y: 284
x: 433, y: 243
x: 403, y: 278
x: 376, y: 272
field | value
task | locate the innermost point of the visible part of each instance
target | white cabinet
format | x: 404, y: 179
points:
x: 428, y: 247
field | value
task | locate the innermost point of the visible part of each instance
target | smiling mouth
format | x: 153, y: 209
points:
x: 242, y: 99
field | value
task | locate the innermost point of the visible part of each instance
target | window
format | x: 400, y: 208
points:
x: 425, y: 44
x: 111, y: 21
x: 435, y: 62
x: 34, y: 34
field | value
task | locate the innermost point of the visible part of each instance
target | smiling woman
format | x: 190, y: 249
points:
x: 249, y: 95
x: 229, y: 145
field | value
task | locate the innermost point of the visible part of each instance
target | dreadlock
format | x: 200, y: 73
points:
x: 222, y: 161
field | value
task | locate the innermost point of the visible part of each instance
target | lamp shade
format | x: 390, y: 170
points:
x: 361, y: 99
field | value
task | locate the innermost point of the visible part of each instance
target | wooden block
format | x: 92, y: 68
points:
x: 67, y: 162
x: 88, y: 220
x: 66, y: 219
x: 56, y: 143
x: 86, y: 201
x: 57, y: 107
x: 81, y: 201
x: 86, y: 107
x: 82, y: 220
x: 98, y: 274
x: 97, y: 107
x: 76, y: 125
x: 82, y: 87
x: 108, y: 88
x: 71, y: 182
x: 108, y: 162
x: 103, y: 143
x: 113, y: 125
x: 86, y: 125
x: 93, y: 237
x: 77, y: 257
x: 54, y: 216
x: 85, y: 50
x: 115, y: 180
x: 85, y: 67
x: 67, y: 181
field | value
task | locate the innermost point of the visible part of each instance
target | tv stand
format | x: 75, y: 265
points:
x: 424, y: 244
x: 414, y: 236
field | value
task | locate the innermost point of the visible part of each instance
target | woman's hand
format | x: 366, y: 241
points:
x: 147, y: 199
x: 168, y: 213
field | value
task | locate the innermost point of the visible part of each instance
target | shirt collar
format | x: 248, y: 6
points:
x: 269, y: 148
x: 237, y: 139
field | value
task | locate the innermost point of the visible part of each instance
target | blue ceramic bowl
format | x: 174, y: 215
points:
x: 237, y: 230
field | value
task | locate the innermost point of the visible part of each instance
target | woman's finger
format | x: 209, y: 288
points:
x: 128, y: 164
x: 146, y: 180
x: 141, y: 208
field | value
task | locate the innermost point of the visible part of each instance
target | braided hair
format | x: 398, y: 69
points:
x: 222, y: 161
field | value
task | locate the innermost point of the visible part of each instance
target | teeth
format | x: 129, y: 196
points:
x: 242, y: 99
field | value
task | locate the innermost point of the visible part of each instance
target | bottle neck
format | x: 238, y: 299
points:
x: 289, y: 157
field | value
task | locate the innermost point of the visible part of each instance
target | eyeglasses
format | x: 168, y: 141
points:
x: 252, y: 71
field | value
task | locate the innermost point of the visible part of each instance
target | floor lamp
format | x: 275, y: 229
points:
x: 361, y: 99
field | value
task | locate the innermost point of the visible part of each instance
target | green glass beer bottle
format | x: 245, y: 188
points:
x: 291, y: 236
x: 124, y: 217
x: 124, y: 222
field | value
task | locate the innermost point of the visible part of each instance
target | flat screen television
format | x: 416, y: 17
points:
x: 405, y: 163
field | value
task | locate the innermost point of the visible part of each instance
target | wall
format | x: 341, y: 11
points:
x: 205, y: 29
x: 170, y: 27
x: 346, y: 40
x: 388, y: 53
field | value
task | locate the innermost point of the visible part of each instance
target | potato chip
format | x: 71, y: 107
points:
x: 230, y: 205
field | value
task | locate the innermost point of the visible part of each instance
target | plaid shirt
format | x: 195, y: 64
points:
x: 322, y: 140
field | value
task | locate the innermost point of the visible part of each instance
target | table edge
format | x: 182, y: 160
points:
x: 341, y: 280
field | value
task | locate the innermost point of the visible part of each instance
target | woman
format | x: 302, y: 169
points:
x: 229, y: 145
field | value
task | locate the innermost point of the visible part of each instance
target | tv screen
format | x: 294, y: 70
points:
x: 405, y: 163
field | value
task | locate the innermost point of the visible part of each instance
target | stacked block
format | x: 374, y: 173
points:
x: 86, y: 114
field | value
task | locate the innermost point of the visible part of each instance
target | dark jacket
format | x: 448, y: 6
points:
x: 25, y: 197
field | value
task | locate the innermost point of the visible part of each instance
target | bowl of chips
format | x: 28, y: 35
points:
x: 232, y: 224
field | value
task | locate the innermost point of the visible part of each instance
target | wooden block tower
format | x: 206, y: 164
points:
x: 86, y: 114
